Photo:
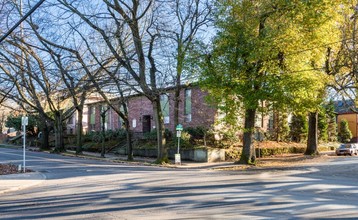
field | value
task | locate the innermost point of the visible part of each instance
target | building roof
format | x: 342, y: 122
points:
x: 96, y: 98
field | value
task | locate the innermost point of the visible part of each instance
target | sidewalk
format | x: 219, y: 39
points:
x: 14, y: 182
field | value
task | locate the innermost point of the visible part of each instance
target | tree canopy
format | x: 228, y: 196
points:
x: 271, y: 50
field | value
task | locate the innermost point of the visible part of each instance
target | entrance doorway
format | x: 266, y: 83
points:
x: 146, y: 123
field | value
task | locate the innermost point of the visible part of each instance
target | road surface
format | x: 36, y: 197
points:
x: 78, y: 188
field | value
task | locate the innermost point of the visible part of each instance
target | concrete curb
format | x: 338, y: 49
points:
x: 15, y: 182
x: 149, y: 161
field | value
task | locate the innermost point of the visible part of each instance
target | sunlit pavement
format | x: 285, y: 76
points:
x: 77, y: 188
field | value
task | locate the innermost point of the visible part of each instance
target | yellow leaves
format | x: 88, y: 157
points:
x: 275, y: 50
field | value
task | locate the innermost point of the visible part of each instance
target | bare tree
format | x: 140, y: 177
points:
x: 36, y: 88
x: 39, y: 87
x: 103, y: 79
x: 76, y: 84
x: 134, y: 52
x: 182, y: 26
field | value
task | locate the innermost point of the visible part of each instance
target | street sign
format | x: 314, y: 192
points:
x: 179, y: 127
x: 177, y: 159
x: 178, y: 134
x: 24, y: 121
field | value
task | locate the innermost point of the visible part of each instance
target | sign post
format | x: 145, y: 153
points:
x: 24, y: 122
x: 179, y: 129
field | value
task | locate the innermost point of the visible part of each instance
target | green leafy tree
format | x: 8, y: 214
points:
x: 299, y: 127
x: 332, y: 123
x: 281, y: 131
x: 15, y: 122
x: 322, y: 125
x: 344, y: 135
x: 258, y: 56
x: 283, y: 135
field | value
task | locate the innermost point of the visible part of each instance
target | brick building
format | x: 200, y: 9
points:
x: 194, y: 111
x: 346, y: 110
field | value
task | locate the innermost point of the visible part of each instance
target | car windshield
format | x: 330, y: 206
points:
x: 345, y: 146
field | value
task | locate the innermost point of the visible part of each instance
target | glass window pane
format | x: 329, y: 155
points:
x: 187, y: 103
x: 164, y: 103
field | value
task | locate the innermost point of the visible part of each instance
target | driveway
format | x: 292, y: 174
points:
x: 78, y: 188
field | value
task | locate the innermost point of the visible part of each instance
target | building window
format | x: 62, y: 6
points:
x: 92, y: 117
x: 164, y: 103
x: 134, y: 123
x: 187, y: 105
x: 110, y: 127
x: 258, y: 120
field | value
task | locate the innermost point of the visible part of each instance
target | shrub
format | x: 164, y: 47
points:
x: 344, y: 134
x: 280, y: 150
x: 15, y: 122
x: 92, y: 147
x: 96, y: 136
x: 152, y: 135
x: 185, y: 136
x: 117, y: 134
x: 197, y: 132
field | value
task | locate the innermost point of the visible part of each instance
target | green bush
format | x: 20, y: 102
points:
x: 344, y: 135
x: 92, y: 147
x: 197, y: 132
x: 152, y: 135
x: 118, y: 134
x: 15, y: 122
x: 264, y: 152
x: 96, y: 136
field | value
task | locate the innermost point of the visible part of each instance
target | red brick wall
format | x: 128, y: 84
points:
x: 202, y: 113
x: 137, y: 107
x: 114, y: 120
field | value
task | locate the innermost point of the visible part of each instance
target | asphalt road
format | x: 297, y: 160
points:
x: 89, y: 189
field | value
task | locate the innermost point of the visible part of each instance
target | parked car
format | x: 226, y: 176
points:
x: 347, y: 149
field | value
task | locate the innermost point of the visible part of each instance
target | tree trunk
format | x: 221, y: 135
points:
x: 312, y: 140
x: 79, y: 130
x: 159, y: 124
x: 45, y: 137
x: 59, y: 144
x: 129, y: 140
x: 248, y: 153
x: 176, y: 106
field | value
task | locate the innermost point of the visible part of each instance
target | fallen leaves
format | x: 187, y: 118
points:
x: 6, y: 169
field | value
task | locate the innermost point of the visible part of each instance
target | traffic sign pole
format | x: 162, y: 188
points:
x: 24, y: 148
x: 24, y: 122
x: 179, y: 129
